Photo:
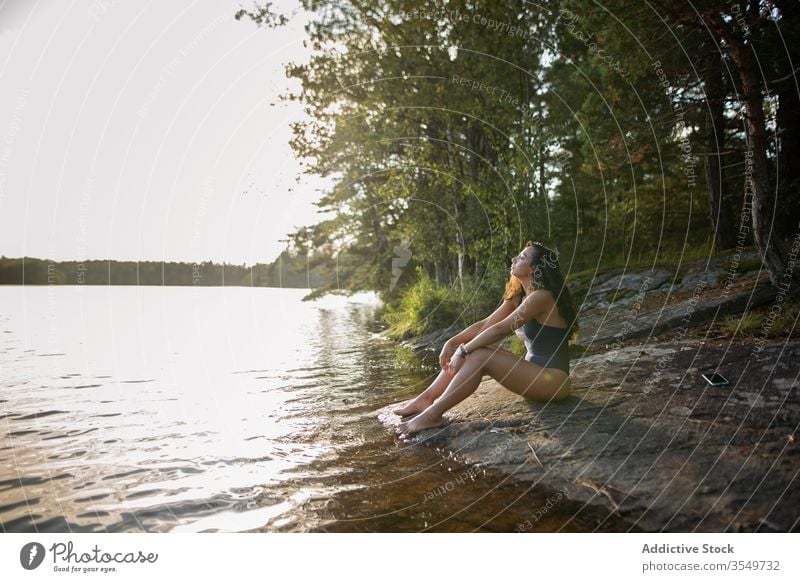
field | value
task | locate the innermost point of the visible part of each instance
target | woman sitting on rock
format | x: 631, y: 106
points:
x: 537, y: 306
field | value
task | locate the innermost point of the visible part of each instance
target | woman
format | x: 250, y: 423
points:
x: 537, y: 306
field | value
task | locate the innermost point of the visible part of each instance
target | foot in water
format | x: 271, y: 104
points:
x: 419, y: 423
x: 414, y: 407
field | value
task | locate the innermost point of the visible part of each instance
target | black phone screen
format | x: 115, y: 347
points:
x: 715, y: 379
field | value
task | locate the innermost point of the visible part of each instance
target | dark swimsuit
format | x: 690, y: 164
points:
x: 547, y: 346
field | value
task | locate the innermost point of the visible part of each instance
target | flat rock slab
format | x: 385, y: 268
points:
x: 644, y: 436
x: 619, y: 289
x: 431, y: 342
x: 604, y: 327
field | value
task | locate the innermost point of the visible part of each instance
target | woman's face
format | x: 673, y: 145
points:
x: 521, y: 264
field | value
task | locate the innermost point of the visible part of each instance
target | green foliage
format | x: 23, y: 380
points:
x: 772, y: 321
x: 582, y: 125
x: 409, y: 361
x: 426, y: 306
x: 423, y: 308
x: 747, y: 266
x: 784, y: 324
x: 517, y: 346
x: 741, y: 324
x: 739, y: 268
x: 262, y: 15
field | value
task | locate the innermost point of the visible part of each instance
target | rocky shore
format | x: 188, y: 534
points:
x: 642, y: 434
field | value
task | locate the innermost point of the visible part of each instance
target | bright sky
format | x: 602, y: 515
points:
x: 145, y: 130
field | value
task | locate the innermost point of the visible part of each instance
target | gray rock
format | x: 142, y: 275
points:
x: 785, y: 384
x: 431, y: 342
x: 680, y: 411
x: 636, y: 281
x: 623, y: 289
x: 612, y: 326
x: 712, y: 271
x: 687, y: 457
x: 595, y: 279
x: 696, y: 275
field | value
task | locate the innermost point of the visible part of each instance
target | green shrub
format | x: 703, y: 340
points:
x: 741, y: 268
x: 741, y: 324
x: 425, y: 306
x: 783, y: 322
x: 517, y: 346
x: 767, y: 321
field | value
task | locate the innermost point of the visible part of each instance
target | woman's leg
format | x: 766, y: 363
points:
x: 524, y: 378
x: 462, y: 385
x: 425, y: 399
x: 435, y: 390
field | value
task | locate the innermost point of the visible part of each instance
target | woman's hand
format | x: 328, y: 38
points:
x: 455, y: 364
x: 445, y: 355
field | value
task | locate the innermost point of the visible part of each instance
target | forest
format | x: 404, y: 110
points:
x: 617, y: 133
x: 287, y: 270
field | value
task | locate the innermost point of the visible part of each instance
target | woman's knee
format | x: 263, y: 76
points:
x: 480, y: 356
x: 482, y: 353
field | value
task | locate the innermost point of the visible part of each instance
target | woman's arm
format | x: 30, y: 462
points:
x: 531, y: 306
x: 503, y: 311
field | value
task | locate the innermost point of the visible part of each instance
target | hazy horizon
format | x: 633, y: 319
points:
x: 148, y: 132
x: 140, y: 260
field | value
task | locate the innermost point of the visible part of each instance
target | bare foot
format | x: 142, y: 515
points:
x: 417, y: 424
x: 414, y: 407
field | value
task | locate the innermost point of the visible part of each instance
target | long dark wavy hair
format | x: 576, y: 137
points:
x: 546, y: 275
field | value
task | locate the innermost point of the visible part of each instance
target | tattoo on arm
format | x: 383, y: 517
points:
x: 517, y: 320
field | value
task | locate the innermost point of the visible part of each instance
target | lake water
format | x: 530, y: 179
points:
x: 225, y: 409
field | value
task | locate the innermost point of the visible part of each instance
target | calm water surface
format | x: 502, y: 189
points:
x: 224, y: 409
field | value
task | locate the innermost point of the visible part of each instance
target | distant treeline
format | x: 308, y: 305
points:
x: 285, y: 271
